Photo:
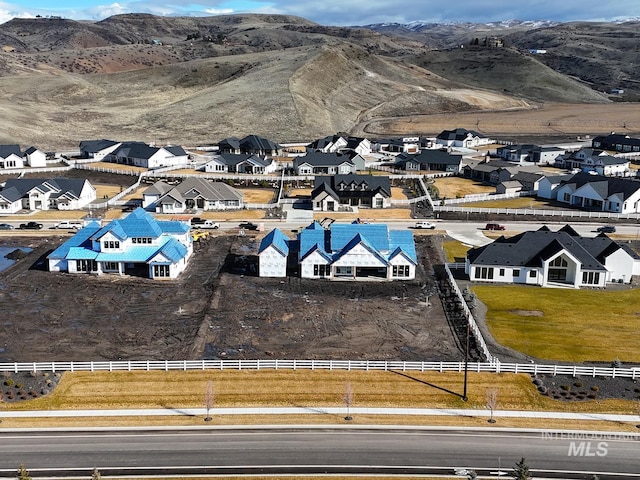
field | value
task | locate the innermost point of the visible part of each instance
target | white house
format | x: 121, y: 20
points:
x: 316, y: 163
x: 595, y: 192
x: 462, y: 138
x: 356, y: 252
x: 192, y: 193
x: 273, y: 254
x: 330, y: 194
x: 547, y: 258
x: 35, y: 157
x: 548, y: 185
x: 97, y: 149
x: 137, y: 245
x: 241, y: 163
x: 140, y: 154
x: 47, y: 194
x: 11, y: 157
x: 339, y: 144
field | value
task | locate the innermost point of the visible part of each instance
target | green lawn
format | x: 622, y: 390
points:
x: 565, y: 325
x: 455, y: 251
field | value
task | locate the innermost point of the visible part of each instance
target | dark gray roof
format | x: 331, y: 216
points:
x: 527, y: 176
x: 529, y: 249
x: 6, y: 150
x: 319, y: 159
x: 605, y: 186
x: 233, y: 159
x: 94, y: 146
x: 64, y: 185
x: 430, y: 157
x: 374, y: 184
x: 135, y: 150
x: 458, y: 134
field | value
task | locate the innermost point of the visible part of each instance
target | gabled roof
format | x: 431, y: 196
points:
x: 7, y: 150
x: 234, y: 159
x: 530, y: 249
x: 605, y: 186
x: 319, y: 159
x: 72, y: 186
x: 140, y: 223
x: 158, y: 188
x: 430, y: 157
x: 10, y: 195
x: 373, y: 183
x: 527, y: 176
x: 205, y: 188
x: 458, y: 134
x: 276, y: 239
x: 135, y: 150
x: 81, y: 242
x: 95, y: 146
x: 31, y: 150
x: 255, y: 143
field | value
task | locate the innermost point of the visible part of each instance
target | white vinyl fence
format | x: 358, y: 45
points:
x: 362, y: 365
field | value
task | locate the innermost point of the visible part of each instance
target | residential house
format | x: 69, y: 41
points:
x: 46, y: 194
x: 240, y: 163
x: 597, y: 161
x: 616, y: 143
x: 429, y: 160
x: 317, y: 163
x: 140, y: 154
x: 530, y: 154
x: 250, y: 145
x: 11, y: 157
x: 595, y: 192
x: 137, y: 245
x: 397, y: 145
x: 97, y: 149
x: 494, y: 172
x: 331, y: 194
x: 547, y: 258
x: 340, y: 144
x: 462, y: 138
x: 548, y: 185
x: 192, y: 193
x: 508, y: 187
x: 273, y: 254
x: 35, y: 158
x: 530, y: 181
x: 356, y: 251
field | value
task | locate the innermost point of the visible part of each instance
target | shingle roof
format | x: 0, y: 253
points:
x: 458, y: 134
x: 530, y: 249
x: 606, y: 186
x: 72, y: 185
x: 95, y: 146
x: 430, y: 157
x: 374, y: 183
x: 6, y: 150
x: 192, y: 187
x: 319, y: 159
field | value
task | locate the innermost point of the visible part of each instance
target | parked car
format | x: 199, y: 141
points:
x: 70, y: 225
x: 248, y: 226
x: 606, y: 229
x: 31, y: 226
x: 426, y: 225
x: 6, y: 226
x: 197, y: 221
x: 494, y: 226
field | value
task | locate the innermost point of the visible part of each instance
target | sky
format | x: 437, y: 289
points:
x: 337, y: 12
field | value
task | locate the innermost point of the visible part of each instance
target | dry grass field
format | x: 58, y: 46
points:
x: 368, y: 214
x: 454, y: 187
x: 257, y: 195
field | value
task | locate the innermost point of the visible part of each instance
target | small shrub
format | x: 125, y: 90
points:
x: 9, y: 382
x: 578, y: 384
x: 595, y: 388
x: 566, y: 388
x: 617, y: 363
x: 19, y: 385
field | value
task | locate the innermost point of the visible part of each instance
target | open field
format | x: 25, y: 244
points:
x: 257, y: 195
x: 517, y: 202
x: 367, y: 214
x: 554, y: 324
x: 454, y: 187
x: 397, y: 193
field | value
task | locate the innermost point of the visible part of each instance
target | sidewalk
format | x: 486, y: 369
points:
x: 322, y: 411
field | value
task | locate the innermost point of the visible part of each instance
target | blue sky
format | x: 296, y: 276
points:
x: 337, y: 12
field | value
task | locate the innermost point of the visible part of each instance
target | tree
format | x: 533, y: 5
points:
x: 492, y: 402
x: 209, y: 399
x: 521, y: 472
x: 23, y: 474
x: 348, y: 398
x: 96, y: 475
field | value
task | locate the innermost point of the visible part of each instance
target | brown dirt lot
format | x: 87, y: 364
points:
x: 216, y: 310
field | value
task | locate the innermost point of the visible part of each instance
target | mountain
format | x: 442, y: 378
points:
x: 195, y: 80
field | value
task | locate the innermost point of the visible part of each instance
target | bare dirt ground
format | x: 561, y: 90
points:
x: 217, y: 310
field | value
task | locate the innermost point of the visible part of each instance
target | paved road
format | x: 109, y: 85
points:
x: 320, y: 449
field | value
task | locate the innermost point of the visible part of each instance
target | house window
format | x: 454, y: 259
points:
x: 111, y: 244
x: 501, y: 272
x: 321, y: 270
x: 400, y: 271
x: 516, y: 272
x: 109, y: 266
x: 484, y: 273
x: 591, y: 278
x: 161, y: 271
x: 86, y: 266
x: 558, y: 262
x: 344, y: 271
x: 379, y: 202
x: 533, y: 274
x: 567, y: 197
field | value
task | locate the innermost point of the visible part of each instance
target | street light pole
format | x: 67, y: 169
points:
x: 466, y: 364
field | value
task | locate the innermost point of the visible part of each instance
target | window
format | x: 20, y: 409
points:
x: 111, y: 244
x: 401, y: 271
x: 516, y: 272
x: 321, y: 270
x: 484, y: 273
x: 559, y: 262
x: 86, y: 266
x: 533, y: 274
x: 110, y: 266
x: 591, y: 278
x: 567, y: 197
x: 501, y: 274
x: 161, y: 271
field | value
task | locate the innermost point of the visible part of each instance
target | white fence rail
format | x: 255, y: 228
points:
x: 540, y: 212
x: 365, y: 365
x: 480, y: 197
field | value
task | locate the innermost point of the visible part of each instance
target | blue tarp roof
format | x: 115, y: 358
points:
x: 276, y: 238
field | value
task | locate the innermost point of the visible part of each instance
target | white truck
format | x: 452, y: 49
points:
x: 209, y: 224
x: 70, y: 225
